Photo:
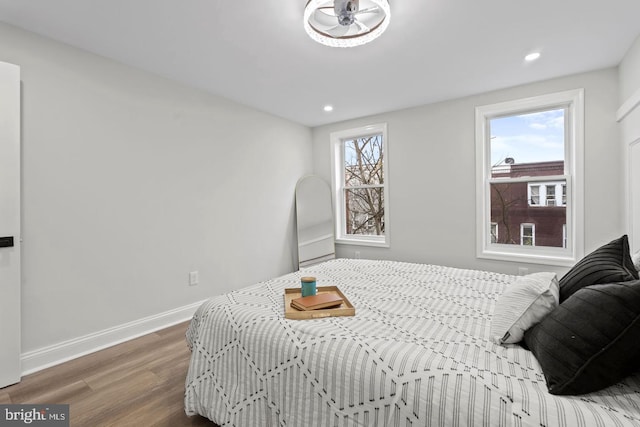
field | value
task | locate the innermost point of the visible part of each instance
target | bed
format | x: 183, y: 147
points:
x: 418, y: 352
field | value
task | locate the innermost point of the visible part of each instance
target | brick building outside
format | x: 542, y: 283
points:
x: 529, y: 213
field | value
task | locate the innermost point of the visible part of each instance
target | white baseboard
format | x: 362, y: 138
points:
x: 36, y: 360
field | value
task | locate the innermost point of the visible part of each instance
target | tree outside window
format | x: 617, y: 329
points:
x: 364, y: 185
x: 360, y: 185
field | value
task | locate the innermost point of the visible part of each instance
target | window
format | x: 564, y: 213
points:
x: 360, y: 180
x: 530, y: 180
x: 551, y: 196
x: 534, y: 195
x: 552, y: 193
x: 528, y: 234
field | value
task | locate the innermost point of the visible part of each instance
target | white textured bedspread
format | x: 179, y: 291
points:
x: 417, y: 353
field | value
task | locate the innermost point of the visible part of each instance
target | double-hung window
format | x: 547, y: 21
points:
x: 360, y: 181
x: 529, y: 183
x: 528, y: 234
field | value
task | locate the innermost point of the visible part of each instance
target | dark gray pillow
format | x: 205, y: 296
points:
x: 590, y: 341
x: 607, y: 264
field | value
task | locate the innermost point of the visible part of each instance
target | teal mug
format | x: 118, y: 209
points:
x: 308, y: 286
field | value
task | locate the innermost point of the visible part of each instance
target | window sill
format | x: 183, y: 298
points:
x: 362, y: 242
x: 528, y: 258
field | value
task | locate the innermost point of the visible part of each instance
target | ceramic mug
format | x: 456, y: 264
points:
x: 308, y: 286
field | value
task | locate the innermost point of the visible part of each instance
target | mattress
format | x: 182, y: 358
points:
x: 417, y: 353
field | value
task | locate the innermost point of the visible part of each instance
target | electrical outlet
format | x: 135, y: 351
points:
x: 193, y: 278
x: 356, y: 254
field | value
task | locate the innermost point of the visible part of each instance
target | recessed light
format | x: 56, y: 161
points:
x: 532, y: 56
x: 328, y: 108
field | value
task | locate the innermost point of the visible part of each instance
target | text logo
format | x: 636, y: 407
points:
x: 34, y: 415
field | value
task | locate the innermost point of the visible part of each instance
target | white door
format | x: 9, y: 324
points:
x: 9, y: 224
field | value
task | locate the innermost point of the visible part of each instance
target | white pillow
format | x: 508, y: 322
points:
x: 636, y: 260
x: 522, y: 305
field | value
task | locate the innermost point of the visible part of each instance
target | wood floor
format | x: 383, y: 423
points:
x: 137, y: 383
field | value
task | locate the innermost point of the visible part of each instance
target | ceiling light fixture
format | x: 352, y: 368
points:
x: 328, y: 108
x: 346, y: 23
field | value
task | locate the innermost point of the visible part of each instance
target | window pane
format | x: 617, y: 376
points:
x: 527, y: 231
x: 365, y: 211
x: 551, y: 195
x: 363, y: 159
x: 532, y: 138
x: 535, y: 195
x: 510, y: 208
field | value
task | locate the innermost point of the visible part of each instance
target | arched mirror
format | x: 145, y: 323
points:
x: 314, y: 216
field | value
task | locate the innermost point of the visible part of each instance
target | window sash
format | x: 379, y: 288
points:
x: 339, y: 188
x: 356, y: 219
x: 534, y: 196
x: 573, y: 102
x: 527, y: 234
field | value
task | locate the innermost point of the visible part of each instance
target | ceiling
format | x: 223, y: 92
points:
x: 256, y: 52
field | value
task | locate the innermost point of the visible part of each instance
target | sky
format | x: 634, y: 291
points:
x: 532, y: 137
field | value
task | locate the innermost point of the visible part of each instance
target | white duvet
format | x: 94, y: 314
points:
x: 417, y: 353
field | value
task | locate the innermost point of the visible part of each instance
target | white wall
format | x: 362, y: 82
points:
x: 629, y: 71
x: 629, y: 116
x: 131, y: 181
x: 432, y: 173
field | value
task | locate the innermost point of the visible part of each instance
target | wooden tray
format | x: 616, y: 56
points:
x: 345, y: 309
